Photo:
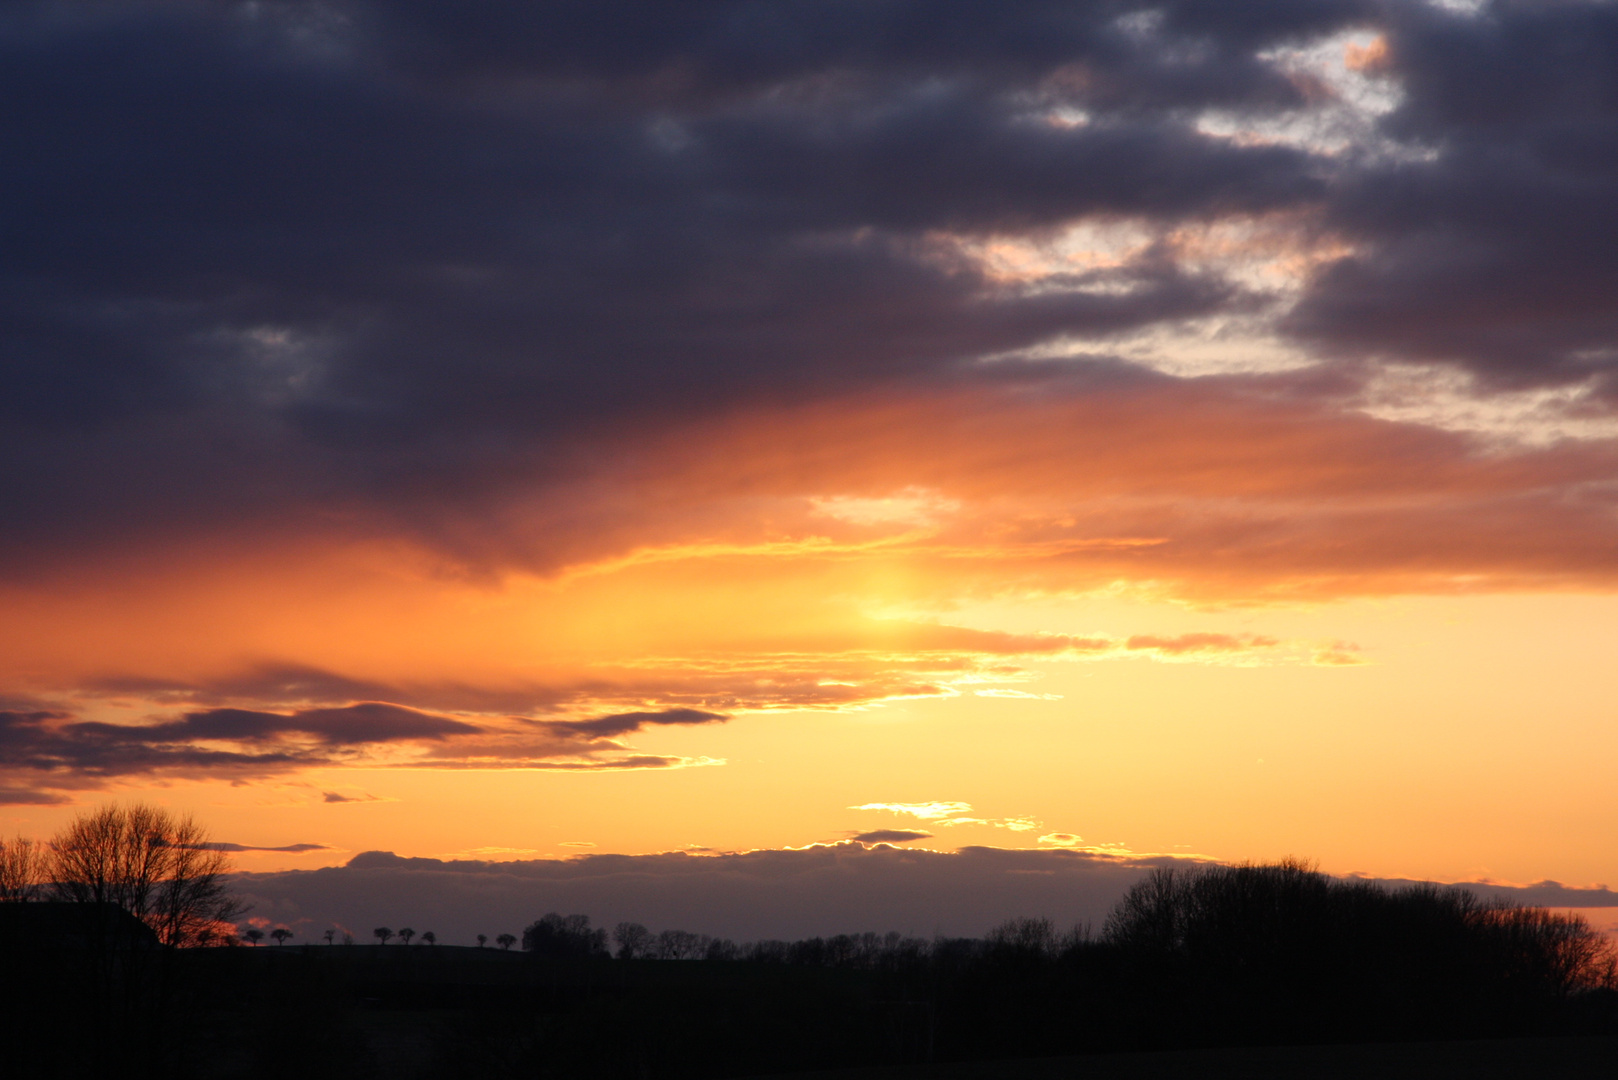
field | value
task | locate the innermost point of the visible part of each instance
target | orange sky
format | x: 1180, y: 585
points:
x: 1244, y: 652
x: 1179, y: 431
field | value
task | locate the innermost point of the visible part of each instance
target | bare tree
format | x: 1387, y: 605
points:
x: 506, y: 941
x: 253, y: 935
x: 22, y: 869
x: 382, y: 934
x: 678, y: 945
x: 429, y: 938
x: 406, y: 934
x: 483, y: 939
x: 330, y: 935
x: 280, y: 934
x: 634, y: 940
x: 159, y: 867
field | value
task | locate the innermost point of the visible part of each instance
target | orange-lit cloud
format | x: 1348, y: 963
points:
x: 756, y: 576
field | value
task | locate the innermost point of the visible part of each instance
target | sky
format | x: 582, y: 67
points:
x: 513, y: 432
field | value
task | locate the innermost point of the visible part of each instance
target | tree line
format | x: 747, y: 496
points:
x: 1190, y: 956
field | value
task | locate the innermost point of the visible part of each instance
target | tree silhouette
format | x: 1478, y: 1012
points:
x: 160, y: 868
x: 678, y: 945
x: 560, y: 936
x: 382, y: 934
x: 483, y: 939
x: 429, y: 938
x: 280, y: 934
x: 22, y: 869
x: 254, y: 935
x: 406, y: 934
x: 330, y: 934
x: 506, y: 941
x: 634, y: 940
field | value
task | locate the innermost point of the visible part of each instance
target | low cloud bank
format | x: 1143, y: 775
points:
x: 839, y: 888
x: 823, y: 890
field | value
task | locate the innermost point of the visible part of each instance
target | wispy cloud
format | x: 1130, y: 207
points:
x: 292, y: 849
x: 927, y: 811
x: 891, y: 836
x: 951, y: 813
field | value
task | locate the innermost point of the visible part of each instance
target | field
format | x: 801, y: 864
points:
x: 1483, y: 1059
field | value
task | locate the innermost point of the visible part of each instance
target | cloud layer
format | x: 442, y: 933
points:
x: 824, y: 890
x: 416, y: 384
x: 272, y: 262
x: 51, y: 751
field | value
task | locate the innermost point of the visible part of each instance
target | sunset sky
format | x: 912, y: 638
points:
x: 512, y: 431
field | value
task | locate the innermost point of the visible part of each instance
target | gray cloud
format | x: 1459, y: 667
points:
x: 296, y: 849
x: 840, y: 888
x: 395, y: 256
x: 607, y: 727
x: 757, y: 894
x: 375, y: 268
x: 1495, y: 250
x: 366, y: 722
x: 46, y: 751
x: 1539, y: 894
x: 21, y: 796
x: 891, y: 836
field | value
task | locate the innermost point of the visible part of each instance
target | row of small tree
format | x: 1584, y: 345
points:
x: 505, y: 941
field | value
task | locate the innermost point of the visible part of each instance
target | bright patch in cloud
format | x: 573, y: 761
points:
x: 927, y: 811
x: 910, y: 506
x: 953, y: 813
x: 1453, y: 400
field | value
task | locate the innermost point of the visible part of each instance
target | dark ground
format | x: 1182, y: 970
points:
x: 443, y: 1012
x: 1484, y: 1059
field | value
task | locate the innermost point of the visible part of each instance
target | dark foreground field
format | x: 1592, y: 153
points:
x: 1251, y: 971
x: 430, y: 1012
x: 1482, y: 1059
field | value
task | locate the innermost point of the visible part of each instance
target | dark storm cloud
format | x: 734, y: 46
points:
x: 1494, y: 249
x: 372, y: 266
x: 53, y: 751
x: 263, y: 259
